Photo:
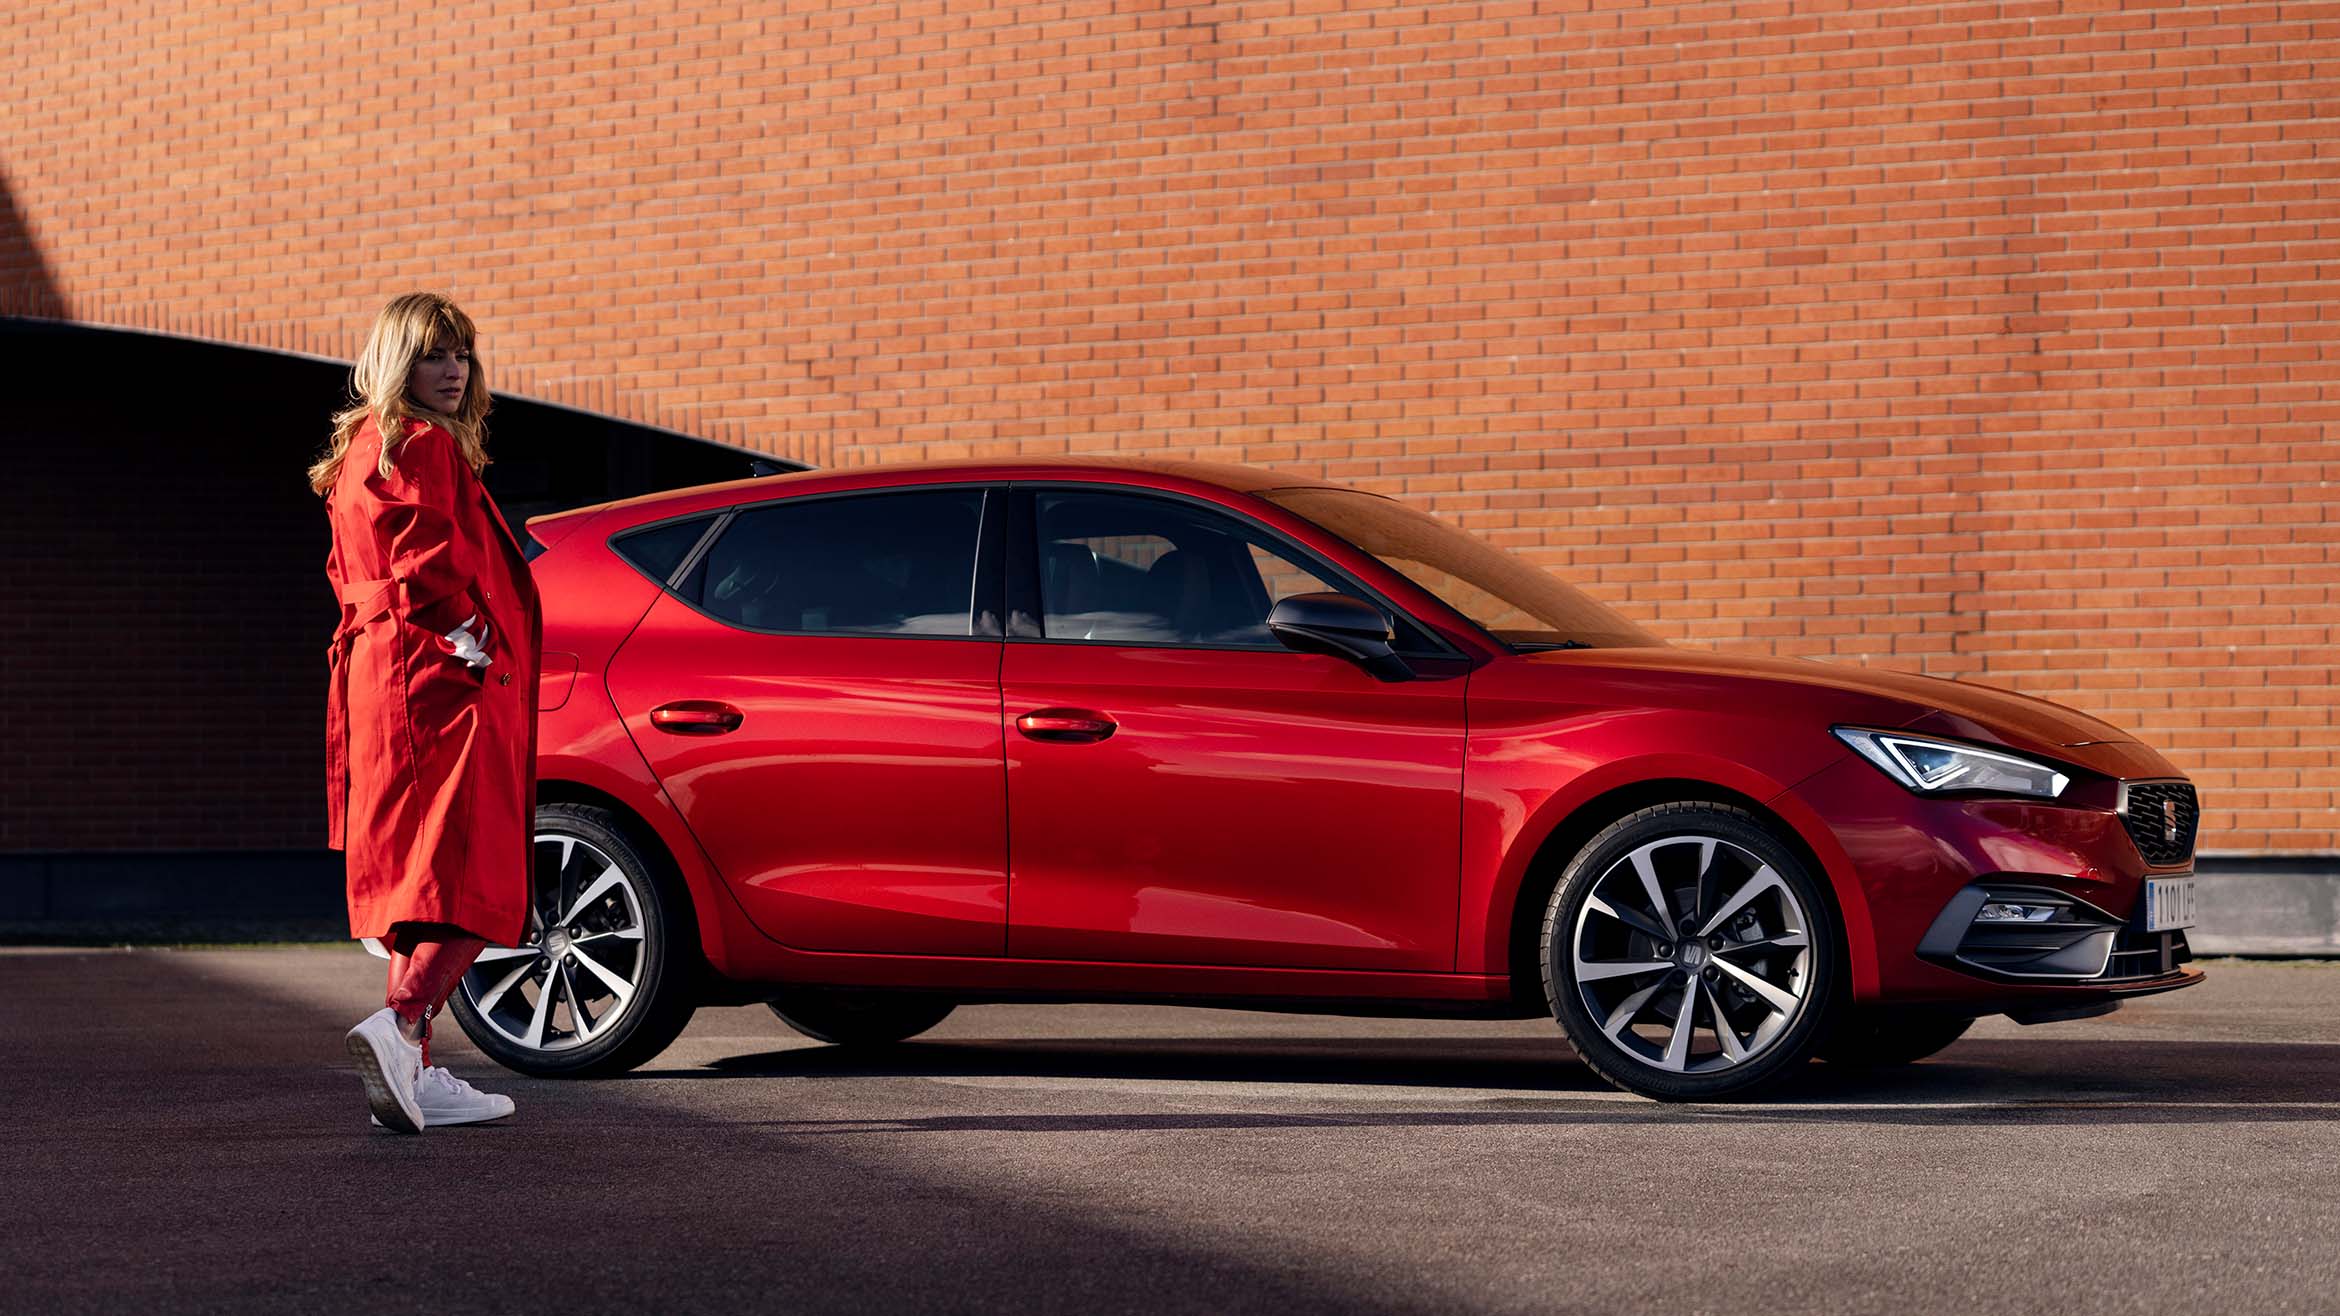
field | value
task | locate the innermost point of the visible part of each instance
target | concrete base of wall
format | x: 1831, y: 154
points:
x: 2255, y: 906
x: 2269, y: 906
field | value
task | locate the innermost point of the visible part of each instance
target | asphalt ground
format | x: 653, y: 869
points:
x: 181, y: 1131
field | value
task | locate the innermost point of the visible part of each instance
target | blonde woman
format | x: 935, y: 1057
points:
x: 431, y: 710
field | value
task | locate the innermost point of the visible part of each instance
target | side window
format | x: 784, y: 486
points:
x: 867, y: 564
x: 654, y: 552
x: 1127, y: 569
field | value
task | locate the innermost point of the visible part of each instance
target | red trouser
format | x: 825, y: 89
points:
x: 426, y: 961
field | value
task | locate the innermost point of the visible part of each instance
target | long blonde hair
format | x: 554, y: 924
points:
x: 407, y: 326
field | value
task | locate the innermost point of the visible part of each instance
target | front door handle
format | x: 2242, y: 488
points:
x: 696, y: 717
x: 1066, y: 725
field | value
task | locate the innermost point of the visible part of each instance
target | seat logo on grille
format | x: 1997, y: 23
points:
x: 2169, y: 821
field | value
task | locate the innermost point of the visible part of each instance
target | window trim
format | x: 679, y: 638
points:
x: 991, y: 495
x: 1022, y: 571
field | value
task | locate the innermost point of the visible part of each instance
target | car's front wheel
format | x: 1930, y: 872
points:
x: 600, y: 983
x: 1690, y: 954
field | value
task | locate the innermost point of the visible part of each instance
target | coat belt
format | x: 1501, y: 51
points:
x: 361, y: 602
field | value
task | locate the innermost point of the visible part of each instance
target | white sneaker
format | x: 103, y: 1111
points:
x: 389, y: 1065
x: 446, y: 1099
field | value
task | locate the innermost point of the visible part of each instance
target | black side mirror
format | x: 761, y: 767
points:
x: 1344, y: 627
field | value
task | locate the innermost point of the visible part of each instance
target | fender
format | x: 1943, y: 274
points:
x: 1852, y: 902
x: 590, y: 760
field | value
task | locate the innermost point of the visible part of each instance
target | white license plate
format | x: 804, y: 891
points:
x: 2169, y: 903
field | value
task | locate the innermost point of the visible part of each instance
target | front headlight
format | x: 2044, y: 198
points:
x: 1932, y: 767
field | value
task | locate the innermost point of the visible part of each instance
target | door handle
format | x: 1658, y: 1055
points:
x: 1077, y: 726
x: 696, y: 717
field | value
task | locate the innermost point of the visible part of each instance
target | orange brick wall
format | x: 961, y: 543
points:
x: 1989, y: 340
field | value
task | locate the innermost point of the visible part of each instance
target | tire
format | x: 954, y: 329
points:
x: 1878, y: 1038
x: 854, y: 1018
x: 1762, y: 956
x: 609, y: 936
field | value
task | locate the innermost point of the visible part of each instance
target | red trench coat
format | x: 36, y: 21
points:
x: 430, y: 764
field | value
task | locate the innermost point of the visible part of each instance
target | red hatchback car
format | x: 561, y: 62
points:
x: 870, y: 744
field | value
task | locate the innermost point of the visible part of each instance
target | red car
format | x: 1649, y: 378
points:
x: 869, y: 744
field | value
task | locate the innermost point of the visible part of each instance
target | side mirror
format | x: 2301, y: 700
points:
x: 1346, y: 628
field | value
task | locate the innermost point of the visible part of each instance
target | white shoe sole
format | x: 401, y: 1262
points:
x: 374, y: 1071
x: 440, y: 1122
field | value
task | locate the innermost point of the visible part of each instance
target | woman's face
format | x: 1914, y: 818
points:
x: 439, y: 377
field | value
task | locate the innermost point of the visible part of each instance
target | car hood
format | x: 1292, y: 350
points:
x: 1881, y: 698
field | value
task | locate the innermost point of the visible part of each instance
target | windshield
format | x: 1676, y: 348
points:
x: 1510, y: 597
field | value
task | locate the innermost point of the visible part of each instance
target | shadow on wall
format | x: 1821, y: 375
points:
x: 164, y: 615
x: 25, y: 286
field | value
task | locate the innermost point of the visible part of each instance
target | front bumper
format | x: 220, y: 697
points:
x: 1923, y: 866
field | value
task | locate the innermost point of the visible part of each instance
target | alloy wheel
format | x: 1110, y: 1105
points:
x: 582, y: 961
x: 1692, y: 954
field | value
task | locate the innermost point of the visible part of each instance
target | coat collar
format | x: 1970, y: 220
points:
x: 415, y: 425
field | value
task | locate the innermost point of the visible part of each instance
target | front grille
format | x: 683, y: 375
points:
x: 2160, y: 816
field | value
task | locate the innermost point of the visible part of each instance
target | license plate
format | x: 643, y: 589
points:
x: 2169, y: 903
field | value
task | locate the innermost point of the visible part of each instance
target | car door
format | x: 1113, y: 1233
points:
x: 1184, y: 789
x: 818, y: 692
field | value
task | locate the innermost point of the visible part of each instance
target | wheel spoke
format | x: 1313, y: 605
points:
x: 1598, y: 970
x: 1783, y: 941
x: 1762, y: 880
x: 618, y: 987
x: 1649, y: 885
x: 1733, y: 1049
x: 580, y: 1022
x: 544, y: 1001
x: 1633, y: 919
x: 550, y: 898
x: 497, y: 954
x: 1677, y: 1055
x: 622, y: 934
x: 489, y: 998
x: 1627, y: 1008
x: 610, y: 877
x: 1773, y: 996
x: 1702, y: 893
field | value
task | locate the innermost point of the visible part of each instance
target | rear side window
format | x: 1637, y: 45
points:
x: 865, y: 564
x: 658, y: 550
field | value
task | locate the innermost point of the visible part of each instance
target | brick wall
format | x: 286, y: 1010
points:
x: 1989, y: 340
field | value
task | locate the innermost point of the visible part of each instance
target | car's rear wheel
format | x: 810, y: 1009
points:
x: 600, y: 983
x: 1880, y: 1037
x: 1690, y: 954
x: 852, y: 1018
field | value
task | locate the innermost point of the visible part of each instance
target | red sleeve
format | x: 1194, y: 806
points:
x: 414, y: 515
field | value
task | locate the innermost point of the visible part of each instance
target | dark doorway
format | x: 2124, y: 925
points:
x: 165, y: 613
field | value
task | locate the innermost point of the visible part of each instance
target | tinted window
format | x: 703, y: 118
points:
x: 1515, y: 600
x: 870, y: 564
x: 1126, y: 569
x: 657, y: 551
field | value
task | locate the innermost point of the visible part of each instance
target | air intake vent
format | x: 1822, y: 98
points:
x: 2160, y: 816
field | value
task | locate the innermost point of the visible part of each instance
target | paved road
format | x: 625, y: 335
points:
x: 181, y: 1133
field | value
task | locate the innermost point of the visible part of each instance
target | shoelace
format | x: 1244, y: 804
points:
x: 439, y: 1077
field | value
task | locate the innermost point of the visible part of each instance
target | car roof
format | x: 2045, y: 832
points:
x: 1220, y: 475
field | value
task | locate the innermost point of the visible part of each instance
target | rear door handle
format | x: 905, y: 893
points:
x: 1066, y: 725
x: 696, y: 717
